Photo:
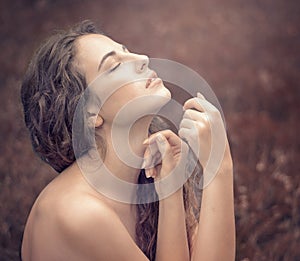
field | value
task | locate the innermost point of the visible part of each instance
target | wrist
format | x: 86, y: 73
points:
x: 226, y: 165
x: 223, y: 173
x: 173, y: 199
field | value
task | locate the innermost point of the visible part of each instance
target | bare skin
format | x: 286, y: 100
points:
x: 66, y: 204
x: 71, y: 221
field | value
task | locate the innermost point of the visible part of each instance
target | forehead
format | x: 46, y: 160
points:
x: 94, y: 44
x: 90, y: 50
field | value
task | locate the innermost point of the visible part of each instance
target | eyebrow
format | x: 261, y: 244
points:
x: 112, y: 53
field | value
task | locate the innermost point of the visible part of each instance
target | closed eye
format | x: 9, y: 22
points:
x: 117, y: 65
x: 114, y: 68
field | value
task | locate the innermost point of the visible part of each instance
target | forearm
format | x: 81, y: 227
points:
x: 172, y: 241
x: 216, y: 232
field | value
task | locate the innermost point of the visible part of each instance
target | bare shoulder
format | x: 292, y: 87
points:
x: 81, y: 212
x: 74, y: 209
x: 71, y: 205
x: 94, y: 231
x: 62, y: 221
x: 70, y: 222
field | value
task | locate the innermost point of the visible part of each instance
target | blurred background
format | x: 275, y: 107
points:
x: 248, y: 51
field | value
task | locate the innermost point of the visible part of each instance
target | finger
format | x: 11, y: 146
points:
x: 189, y: 135
x: 200, y: 95
x: 147, y: 159
x: 163, y: 147
x: 148, y: 154
x: 147, y: 173
x: 156, y: 160
x: 199, y: 104
x: 150, y: 173
x: 193, y: 114
x: 187, y: 123
x: 185, y: 134
x: 171, y: 137
x: 153, y: 172
x: 194, y: 103
x: 162, y: 144
x: 151, y: 158
x: 151, y: 149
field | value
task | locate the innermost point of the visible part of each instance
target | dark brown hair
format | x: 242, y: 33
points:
x: 50, y: 92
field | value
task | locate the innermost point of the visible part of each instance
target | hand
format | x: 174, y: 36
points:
x: 202, y: 127
x: 165, y: 150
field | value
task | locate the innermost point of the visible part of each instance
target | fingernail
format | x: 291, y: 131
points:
x: 147, y: 174
x: 151, y: 173
x: 146, y: 141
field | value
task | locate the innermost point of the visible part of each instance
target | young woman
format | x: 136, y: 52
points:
x: 71, y: 220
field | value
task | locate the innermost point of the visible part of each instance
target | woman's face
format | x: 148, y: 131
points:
x: 126, y: 75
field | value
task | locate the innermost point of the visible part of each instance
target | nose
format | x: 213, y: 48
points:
x: 141, y: 61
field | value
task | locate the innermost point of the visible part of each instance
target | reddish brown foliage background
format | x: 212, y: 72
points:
x: 249, y: 53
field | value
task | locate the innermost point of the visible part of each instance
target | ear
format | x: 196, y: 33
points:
x: 99, y: 121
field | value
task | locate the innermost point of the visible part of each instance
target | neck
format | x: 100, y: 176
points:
x: 122, y: 169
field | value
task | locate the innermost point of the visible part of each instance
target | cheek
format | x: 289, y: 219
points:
x: 130, y: 91
x: 122, y: 97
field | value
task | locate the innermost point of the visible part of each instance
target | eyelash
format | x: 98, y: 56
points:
x: 114, y: 68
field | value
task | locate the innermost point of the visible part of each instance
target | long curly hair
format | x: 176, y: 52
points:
x: 50, y: 91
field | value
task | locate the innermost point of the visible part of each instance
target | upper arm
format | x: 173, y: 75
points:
x: 96, y: 233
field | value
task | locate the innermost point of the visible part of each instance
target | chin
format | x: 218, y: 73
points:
x: 163, y: 92
x: 159, y: 100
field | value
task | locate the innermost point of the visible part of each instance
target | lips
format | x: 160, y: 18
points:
x: 152, y: 77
